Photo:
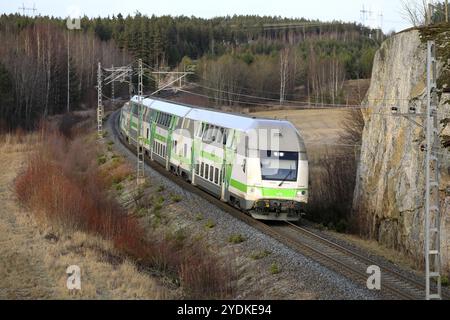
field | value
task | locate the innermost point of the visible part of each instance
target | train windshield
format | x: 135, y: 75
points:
x: 279, y: 166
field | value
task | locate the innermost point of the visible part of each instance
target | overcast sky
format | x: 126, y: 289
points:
x: 345, y: 10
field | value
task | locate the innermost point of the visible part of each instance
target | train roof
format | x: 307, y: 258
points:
x: 165, y: 106
x: 218, y: 118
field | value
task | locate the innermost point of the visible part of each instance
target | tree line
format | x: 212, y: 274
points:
x: 238, y: 54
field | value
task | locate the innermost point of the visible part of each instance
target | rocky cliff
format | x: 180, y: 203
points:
x: 389, y: 194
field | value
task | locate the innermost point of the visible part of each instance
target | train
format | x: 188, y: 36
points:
x: 257, y: 165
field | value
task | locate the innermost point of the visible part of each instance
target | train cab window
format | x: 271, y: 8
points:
x: 202, y: 170
x: 216, y: 176
x: 206, y: 172
x: 279, y: 166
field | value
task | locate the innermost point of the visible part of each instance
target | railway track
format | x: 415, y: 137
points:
x: 397, y: 284
x: 341, y: 260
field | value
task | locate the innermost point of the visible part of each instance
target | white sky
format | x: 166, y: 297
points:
x: 345, y: 10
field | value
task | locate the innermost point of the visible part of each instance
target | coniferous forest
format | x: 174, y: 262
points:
x: 238, y: 55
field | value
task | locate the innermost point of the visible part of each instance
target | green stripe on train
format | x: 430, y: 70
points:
x: 267, y: 192
x: 160, y: 138
x: 238, y: 185
x: 211, y: 157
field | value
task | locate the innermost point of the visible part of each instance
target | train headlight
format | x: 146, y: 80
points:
x: 301, y: 193
x: 254, y: 191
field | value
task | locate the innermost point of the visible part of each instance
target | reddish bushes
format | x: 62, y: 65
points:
x: 62, y: 185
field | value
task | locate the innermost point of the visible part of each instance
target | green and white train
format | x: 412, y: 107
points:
x: 257, y: 165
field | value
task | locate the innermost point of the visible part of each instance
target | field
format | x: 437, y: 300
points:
x: 320, y: 128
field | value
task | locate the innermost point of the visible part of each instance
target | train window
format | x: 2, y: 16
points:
x: 175, y: 144
x: 164, y: 151
x: 216, y: 176
x: 166, y: 118
x: 215, y: 134
x: 206, y: 171
x: 187, y: 123
x: 148, y: 132
x: 211, y: 173
x: 221, y: 176
x: 205, y: 131
x: 197, y: 168
x: 202, y: 170
x: 185, y: 150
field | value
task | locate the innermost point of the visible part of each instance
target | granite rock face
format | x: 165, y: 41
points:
x: 389, y: 194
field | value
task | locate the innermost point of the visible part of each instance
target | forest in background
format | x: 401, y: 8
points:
x: 231, y: 56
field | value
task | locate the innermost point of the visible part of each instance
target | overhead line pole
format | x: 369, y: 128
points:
x: 99, y: 102
x: 140, y: 139
x: 432, y: 199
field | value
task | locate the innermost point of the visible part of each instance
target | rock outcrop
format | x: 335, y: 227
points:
x: 390, y: 188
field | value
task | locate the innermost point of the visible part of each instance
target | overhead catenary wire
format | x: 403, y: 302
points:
x: 306, y: 105
x: 294, y: 101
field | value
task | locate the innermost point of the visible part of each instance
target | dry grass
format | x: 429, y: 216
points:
x: 32, y: 267
x: 73, y: 195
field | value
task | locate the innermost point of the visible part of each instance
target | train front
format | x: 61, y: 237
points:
x: 278, y: 170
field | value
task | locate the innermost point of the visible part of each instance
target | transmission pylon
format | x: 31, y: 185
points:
x: 432, y: 201
x: 140, y: 139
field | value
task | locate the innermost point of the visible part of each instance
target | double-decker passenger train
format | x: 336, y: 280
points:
x: 257, y: 165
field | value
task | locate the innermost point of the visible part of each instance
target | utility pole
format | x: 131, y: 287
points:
x: 140, y: 139
x: 99, y: 103
x: 68, y: 70
x: 112, y: 87
x: 432, y: 201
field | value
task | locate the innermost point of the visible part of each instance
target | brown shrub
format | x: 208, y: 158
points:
x: 334, y: 177
x: 62, y: 185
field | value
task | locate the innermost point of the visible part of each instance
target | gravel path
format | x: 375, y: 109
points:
x: 300, y: 277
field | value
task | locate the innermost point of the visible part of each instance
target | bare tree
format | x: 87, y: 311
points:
x: 415, y: 11
x: 284, y: 63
